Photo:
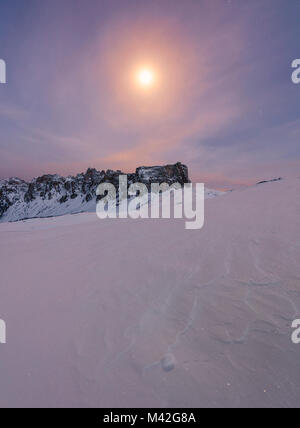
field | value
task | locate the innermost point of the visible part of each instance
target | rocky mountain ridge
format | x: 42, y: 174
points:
x: 51, y: 195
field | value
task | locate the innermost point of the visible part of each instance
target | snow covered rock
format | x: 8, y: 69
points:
x: 170, y: 174
x: 53, y: 195
x: 270, y: 181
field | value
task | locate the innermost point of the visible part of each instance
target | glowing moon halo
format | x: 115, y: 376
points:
x: 145, y: 77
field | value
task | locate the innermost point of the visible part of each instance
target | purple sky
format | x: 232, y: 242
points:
x: 225, y: 104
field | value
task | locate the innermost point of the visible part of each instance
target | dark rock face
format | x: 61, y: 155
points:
x: 51, y: 195
x: 270, y: 181
x: 11, y: 190
x: 170, y: 174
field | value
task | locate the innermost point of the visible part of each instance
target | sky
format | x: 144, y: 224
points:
x: 222, y: 102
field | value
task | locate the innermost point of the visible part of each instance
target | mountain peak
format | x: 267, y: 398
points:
x: 52, y: 194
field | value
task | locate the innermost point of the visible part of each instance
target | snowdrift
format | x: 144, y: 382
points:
x: 143, y: 313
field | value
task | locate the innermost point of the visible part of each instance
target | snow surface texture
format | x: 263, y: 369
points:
x: 144, y: 313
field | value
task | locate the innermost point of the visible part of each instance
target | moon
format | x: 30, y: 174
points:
x: 145, y: 77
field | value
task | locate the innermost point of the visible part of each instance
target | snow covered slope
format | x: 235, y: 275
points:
x: 145, y: 313
x: 54, y: 195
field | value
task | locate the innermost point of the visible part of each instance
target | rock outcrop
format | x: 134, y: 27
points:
x: 51, y: 195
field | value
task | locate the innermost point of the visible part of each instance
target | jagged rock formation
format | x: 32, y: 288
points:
x: 52, y: 195
x: 170, y: 174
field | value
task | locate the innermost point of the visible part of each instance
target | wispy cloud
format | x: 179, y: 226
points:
x: 224, y: 103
